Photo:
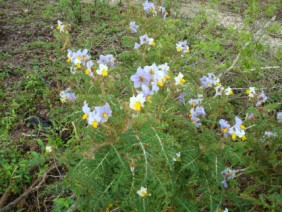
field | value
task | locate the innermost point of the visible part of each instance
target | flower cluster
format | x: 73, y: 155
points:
x: 237, y: 130
x: 149, y: 7
x: 182, y: 46
x: 107, y: 60
x: 195, y: 112
x: 209, y: 81
x: 99, y: 115
x: 144, y: 39
x: 147, y: 81
x: 67, y: 96
x: 79, y: 58
x: 227, y: 175
x: 196, y: 102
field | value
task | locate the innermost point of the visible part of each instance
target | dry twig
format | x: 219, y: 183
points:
x: 34, y: 187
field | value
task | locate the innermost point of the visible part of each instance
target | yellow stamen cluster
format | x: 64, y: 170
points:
x: 104, y: 73
x: 182, y: 81
x: 244, y: 138
x: 87, y: 71
x: 160, y: 84
x: 234, y: 137
x: 85, y: 116
x: 95, y: 124
x: 137, y: 106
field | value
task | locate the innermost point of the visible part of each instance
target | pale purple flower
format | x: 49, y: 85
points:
x: 163, y: 12
x: 144, y: 39
x: 224, y: 125
x: 104, y: 112
x: 224, y: 183
x: 209, y: 80
x: 200, y: 111
x: 140, y: 77
x: 133, y: 26
x: 249, y: 116
x: 146, y: 91
x: 107, y: 60
x: 136, y: 46
x: 67, y: 96
x: 227, y: 174
x: 181, y: 98
x: 262, y: 98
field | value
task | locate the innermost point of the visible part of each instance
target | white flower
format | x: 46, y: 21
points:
x: 143, y: 192
x: 136, y: 46
x: 179, y: 79
x: 176, y: 157
x: 219, y: 90
x: 228, y: 91
x: 48, y: 149
x: 103, y: 70
x: 251, y: 91
x: 60, y: 26
x: 137, y: 102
